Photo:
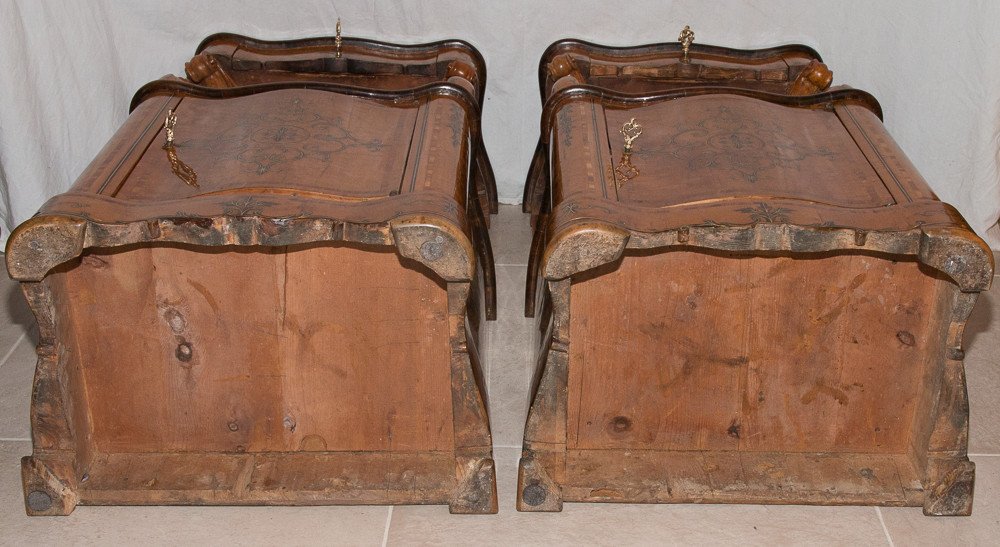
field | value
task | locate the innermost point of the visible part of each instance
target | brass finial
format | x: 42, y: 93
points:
x: 686, y: 38
x: 337, y: 41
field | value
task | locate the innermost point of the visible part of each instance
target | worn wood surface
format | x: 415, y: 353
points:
x: 794, y: 366
x: 736, y: 477
x: 293, y: 330
x: 769, y: 311
x: 229, y: 60
x: 655, y: 68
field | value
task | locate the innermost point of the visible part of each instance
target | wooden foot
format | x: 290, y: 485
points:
x: 44, y: 492
x: 952, y: 492
x: 536, y: 491
x: 476, y: 492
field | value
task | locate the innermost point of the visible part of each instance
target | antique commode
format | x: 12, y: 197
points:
x: 745, y: 292
x: 268, y: 289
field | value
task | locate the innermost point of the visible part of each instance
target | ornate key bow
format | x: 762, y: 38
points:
x: 631, y: 131
x: 179, y: 168
x: 625, y: 171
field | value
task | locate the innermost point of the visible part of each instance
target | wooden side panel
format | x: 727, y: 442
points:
x: 367, y: 354
x: 580, y: 155
x: 699, y: 351
x: 320, y: 348
x: 884, y: 154
x: 164, y: 364
x: 439, y: 151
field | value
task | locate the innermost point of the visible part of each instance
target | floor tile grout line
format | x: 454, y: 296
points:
x: 13, y: 347
x: 14, y: 440
x: 982, y: 455
x: 885, y: 529
x: 388, y: 523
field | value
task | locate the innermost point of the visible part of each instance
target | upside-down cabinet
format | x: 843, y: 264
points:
x: 745, y: 297
x: 269, y: 294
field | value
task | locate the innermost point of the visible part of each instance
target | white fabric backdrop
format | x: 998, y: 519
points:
x: 68, y: 70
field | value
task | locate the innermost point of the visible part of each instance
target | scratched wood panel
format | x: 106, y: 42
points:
x: 301, y: 139
x: 723, y: 145
x: 703, y: 351
x: 740, y: 477
x: 301, y: 478
x: 321, y: 348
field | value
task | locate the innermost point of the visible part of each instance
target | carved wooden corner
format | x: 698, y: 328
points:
x: 205, y: 70
x: 42, y: 243
x: 542, y: 468
x: 537, y: 490
x: 476, y: 492
x: 49, y: 486
x: 561, y: 66
x: 951, y: 487
x: 475, y: 473
x: 960, y: 254
x: 949, y: 479
x: 436, y: 244
x: 463, y: 75
x: 814, y: 78
x: 583, y: 247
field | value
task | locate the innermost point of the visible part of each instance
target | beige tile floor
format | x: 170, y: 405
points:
x: 509, y: 362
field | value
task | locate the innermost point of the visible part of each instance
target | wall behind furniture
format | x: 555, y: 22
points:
x: 68, y: 70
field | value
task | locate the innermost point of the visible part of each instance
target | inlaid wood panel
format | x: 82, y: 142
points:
x: 700, y: 148
x: 312, y: 140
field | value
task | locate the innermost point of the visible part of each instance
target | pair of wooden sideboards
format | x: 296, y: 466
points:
x: 269, y: 286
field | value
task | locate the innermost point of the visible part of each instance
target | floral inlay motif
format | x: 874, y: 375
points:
x: 264, y: 139
x: 765, y: 213
x: 245, y: 207
x: 729, y: 140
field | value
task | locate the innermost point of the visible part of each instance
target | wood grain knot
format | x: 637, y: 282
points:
x: 619, y: 425
x: 184, y: 352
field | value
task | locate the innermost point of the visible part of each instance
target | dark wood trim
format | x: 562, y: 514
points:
x: 377, y: 46
x: 624, y: 52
